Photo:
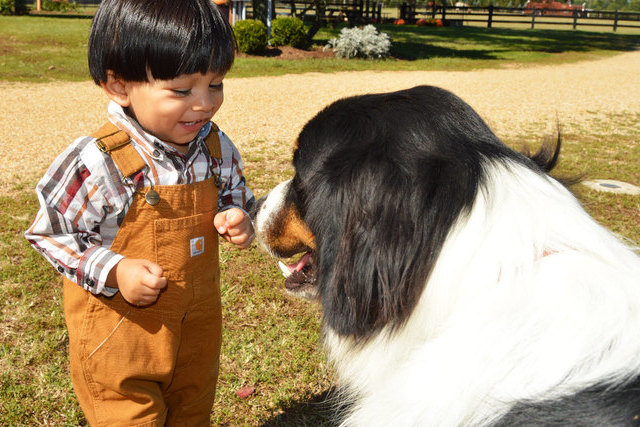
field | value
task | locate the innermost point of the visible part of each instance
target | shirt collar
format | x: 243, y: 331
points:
x: 149, y: 142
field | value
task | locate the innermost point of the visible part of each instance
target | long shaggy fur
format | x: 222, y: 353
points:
x: 460, y: 284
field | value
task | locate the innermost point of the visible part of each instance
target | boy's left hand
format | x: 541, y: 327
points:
x: 235, y: 227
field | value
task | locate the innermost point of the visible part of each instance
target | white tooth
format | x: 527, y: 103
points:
x: 284, y: 269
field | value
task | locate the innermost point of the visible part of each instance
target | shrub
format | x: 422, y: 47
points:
x: 288, y: 31
x: 251, y: 35
x: 7, y: 7
x: 59, y: 5
x: 361, y: 42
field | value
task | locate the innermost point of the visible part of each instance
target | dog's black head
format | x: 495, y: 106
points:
x: 379, y: 181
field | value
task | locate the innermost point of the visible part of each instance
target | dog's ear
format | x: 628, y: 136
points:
x: 390, y: 219
x: 386, y: 177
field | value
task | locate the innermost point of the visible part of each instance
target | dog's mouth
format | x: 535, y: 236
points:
x: 300, y: 277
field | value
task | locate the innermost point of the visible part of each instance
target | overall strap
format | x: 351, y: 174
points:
x: 213, y: 143
x: 117, y: 144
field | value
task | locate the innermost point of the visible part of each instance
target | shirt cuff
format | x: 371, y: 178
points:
x: 94, y: 268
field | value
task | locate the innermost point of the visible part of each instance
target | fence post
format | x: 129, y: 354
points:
x: 444, y: 12
x: 533, y: 18
x: 575, y: 18
x: 433, y: 9
x: 615, y: 21
x: 490, y: 18
x: 379, y: 13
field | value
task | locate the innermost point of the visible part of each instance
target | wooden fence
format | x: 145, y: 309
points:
x: 492, y: 15
x: 354, y: 12
x: 357, y: 12
x: 364, y: 11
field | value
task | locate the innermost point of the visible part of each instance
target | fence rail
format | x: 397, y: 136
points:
x: 361, y: 11
x: 530, y: 16
x: 353, y: 11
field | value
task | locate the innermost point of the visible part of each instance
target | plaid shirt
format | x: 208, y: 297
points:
x: 84, y: 197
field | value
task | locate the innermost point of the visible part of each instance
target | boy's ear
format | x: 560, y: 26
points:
x: 116, y: 89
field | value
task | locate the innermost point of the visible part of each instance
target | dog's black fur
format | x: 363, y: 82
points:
x: 377, y: 153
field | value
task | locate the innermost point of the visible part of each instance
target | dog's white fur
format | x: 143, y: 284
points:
x: 515, y: 309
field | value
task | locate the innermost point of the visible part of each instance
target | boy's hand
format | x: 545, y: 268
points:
x: 235, y: 227
x: 140, y: 281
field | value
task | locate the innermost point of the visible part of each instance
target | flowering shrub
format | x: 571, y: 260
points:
x: 429, y: 22
x: 361, y: 42
x: 399, y: 22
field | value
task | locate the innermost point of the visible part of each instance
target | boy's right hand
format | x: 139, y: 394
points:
x: 140, y: 281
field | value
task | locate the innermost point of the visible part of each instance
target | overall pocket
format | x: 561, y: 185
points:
x: 186, y: 246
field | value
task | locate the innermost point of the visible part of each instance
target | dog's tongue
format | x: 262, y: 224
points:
x: 287, y: 270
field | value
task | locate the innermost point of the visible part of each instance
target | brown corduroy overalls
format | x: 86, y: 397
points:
x: 153, y: 365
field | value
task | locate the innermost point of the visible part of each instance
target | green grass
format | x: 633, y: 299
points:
x: 44, y: 49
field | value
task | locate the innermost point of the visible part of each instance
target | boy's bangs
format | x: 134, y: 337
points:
x: 196, y: 47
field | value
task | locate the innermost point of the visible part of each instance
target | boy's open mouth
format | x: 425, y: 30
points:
x: 193, y: 123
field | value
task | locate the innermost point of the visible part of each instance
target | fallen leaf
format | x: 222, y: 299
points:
x: 245, y: 392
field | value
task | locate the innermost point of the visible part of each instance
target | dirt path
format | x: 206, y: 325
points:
x: 38, y: 120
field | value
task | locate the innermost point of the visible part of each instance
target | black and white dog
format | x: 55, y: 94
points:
x: 460, y: 284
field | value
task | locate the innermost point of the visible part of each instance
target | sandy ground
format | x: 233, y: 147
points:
x: 38, y: 120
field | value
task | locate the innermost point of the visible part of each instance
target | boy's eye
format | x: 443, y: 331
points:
x: 216, y: 86
x: 182, y: 92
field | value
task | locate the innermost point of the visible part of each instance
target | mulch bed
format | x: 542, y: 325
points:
x: 288, y: 52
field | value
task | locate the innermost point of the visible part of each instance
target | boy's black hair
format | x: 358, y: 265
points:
x: 166, y: 37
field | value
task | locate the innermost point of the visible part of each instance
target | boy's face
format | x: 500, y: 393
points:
x: 175, y: 110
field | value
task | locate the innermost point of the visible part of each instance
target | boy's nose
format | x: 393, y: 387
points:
x: 205, y: 102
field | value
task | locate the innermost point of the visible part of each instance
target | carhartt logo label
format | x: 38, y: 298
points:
x: 197, y: 246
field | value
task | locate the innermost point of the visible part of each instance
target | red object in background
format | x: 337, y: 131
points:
x: 245, y: 392
x: 551, y: 8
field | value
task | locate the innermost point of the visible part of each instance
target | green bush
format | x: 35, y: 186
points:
x: 59, y: 5
x: 251, y: 35
x: 7, y: 7
x: 288, y: 31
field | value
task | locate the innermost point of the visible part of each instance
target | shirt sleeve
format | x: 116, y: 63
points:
x: 234, y: 192
x: 66, y: 230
